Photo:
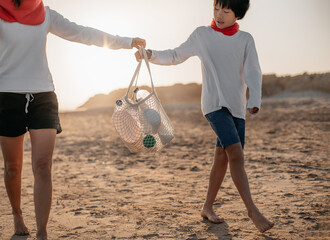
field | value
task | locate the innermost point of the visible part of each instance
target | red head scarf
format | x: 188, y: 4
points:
x: 31, y: 12
x: 229, y: 31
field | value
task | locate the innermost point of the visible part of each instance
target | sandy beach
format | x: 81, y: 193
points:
x: 102, y: 191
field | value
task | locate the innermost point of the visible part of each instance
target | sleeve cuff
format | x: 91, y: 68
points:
x: 127, y: 42
x: 153, y: 55
x: 252, y: 105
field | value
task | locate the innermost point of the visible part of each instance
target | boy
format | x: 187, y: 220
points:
x: 229, y: 65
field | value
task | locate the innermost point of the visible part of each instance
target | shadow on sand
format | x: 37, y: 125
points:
x: 220, y: 230
x: 16, y: 237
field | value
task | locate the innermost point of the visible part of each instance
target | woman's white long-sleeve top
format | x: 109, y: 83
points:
x: 229, y: 65
x: 23, y: 62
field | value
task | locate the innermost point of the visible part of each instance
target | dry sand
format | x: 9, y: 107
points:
x: 101, y: 191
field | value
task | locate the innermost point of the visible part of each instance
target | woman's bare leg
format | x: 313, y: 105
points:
x: 43, y: 142
x: 12, y: 150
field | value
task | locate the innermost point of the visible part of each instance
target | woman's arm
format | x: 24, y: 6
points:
x: 71, y: 31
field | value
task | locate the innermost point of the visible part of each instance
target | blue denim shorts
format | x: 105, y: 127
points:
x: 229, y: 129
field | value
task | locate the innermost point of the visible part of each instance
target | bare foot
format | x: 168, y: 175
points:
x: 261, y: 222
x: 210, y: 215
x: 42, y: 236
x: 20, y: 228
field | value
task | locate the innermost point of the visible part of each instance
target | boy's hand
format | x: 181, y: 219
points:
x: 139, y: 57
x: 253, y: 110
x: 138, y: 42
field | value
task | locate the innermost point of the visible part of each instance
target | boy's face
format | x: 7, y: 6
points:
x: 223, y: 17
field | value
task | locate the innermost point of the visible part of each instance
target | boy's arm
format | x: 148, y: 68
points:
x: 172, y: 56
x: 253, y: 77
x: 71, y: 31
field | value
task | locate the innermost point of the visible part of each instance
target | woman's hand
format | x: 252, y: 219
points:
x: 253, y: 110
x: 139, y: 57
x: 138, y: 42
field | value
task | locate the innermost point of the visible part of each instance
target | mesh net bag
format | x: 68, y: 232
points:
x: 141, y: 121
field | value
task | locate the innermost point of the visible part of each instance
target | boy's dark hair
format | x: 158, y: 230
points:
x: 239, y: 7
x: 17, y: 3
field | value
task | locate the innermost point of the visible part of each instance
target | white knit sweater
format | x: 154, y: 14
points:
x: 229, y: 65
x: 23, y: 61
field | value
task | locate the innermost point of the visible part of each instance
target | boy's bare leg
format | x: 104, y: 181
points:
x: 237, y: 170
x: 217, y: 175
x: 12, y: 150
x: 43, y: 142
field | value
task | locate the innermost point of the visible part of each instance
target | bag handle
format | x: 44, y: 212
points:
x: 143, y: 53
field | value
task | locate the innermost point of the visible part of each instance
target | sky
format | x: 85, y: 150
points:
x: 291, y: 36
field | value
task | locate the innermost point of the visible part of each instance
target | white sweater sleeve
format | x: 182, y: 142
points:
x: 252, y: 75
x: 175, y: 56
x: 65, y: 29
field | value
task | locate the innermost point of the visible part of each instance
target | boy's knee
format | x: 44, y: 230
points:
x: 235, y: 152
x: 219, y: 151
x: 220, y: 156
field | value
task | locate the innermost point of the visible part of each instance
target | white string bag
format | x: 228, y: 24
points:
x: 141, y: 121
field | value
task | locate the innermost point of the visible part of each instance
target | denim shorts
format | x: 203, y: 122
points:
x: 229, y: 129
x: 22, y: 112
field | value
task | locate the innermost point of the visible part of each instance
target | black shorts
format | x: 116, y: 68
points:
x: 22, y: 112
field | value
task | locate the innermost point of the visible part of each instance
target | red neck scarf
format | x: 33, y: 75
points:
x: 31, y: 12
x: 229, y: 31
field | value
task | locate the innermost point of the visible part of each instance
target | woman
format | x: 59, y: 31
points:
x: 27, y: 98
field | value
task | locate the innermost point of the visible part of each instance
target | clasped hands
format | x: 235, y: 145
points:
x: 137, y: 43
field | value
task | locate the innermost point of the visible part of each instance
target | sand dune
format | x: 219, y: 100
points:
x: 273, y: 84
x: 306, y: 85
x: 102, y: 191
